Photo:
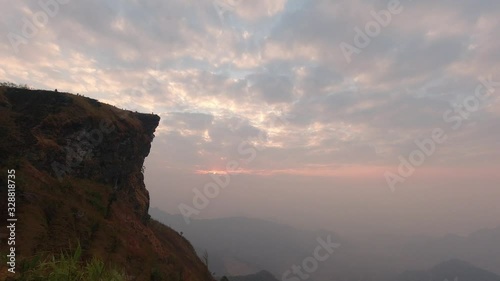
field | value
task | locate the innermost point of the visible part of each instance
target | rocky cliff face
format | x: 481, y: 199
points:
x: 79, y: 166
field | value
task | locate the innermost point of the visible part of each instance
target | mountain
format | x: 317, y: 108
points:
x: 481, y: 248
x: 260, y: 276
x: 452, y: 270
x: 242, y: 246
x: 78, y: 181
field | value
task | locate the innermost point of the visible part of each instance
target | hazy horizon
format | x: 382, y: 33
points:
x: 356, y: 210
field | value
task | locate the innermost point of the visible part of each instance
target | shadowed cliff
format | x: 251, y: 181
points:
x: 79, y: 176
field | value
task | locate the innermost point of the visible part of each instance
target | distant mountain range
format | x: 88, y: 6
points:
x: 241, y: 246
x: 260, y: 276
x: 244, y: 246
x: 452, y: 270
x: 481, y: 248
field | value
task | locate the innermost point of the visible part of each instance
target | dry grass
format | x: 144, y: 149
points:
x: 55, y: 213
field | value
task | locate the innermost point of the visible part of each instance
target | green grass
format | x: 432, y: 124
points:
x: 68, y: 267
x: 95, y: 199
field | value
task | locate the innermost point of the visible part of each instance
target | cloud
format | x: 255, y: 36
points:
x: 191, y: 121
x: 271, y: 88
x: 217, y: 79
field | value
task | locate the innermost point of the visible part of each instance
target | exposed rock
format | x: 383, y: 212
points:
x: 79, y: 170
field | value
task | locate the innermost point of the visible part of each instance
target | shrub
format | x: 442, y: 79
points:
x: 14, y: 85
x: 68, y: 267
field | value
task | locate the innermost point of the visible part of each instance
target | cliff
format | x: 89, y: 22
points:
x: 79, y: 179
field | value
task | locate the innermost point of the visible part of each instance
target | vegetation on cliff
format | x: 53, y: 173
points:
x: 79, y: 166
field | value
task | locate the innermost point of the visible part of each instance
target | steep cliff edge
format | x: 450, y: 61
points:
x: 79, y: 178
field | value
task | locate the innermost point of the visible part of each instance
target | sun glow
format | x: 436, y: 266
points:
x: 211, y: 172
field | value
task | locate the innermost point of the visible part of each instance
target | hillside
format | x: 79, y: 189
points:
x: 79, y: 179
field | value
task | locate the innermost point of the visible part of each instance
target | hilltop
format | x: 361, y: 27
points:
x: 79, y: 180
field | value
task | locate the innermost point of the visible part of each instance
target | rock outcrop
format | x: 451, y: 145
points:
x: 79, y: 171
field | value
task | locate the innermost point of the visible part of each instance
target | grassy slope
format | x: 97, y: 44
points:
x: 55, y: 215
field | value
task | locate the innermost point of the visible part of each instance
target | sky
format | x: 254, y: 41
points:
x: 354, y: 116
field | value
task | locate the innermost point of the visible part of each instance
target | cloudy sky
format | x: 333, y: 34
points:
x: 318, y: 102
